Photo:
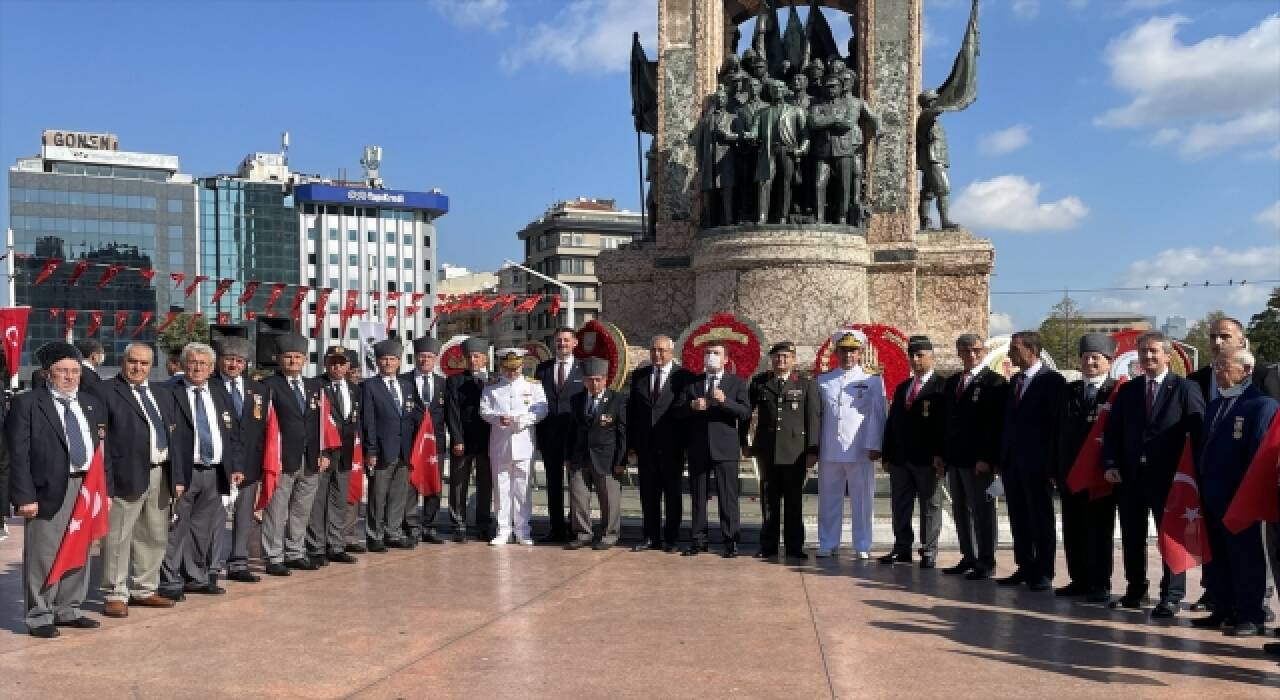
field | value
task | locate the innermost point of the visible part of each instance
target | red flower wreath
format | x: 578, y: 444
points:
x: 744, y: 343
x: 602, y: 339
x: 1179, y: 361
x: 888, y: 353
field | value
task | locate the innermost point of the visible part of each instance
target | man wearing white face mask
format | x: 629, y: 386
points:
x: 853, y: 417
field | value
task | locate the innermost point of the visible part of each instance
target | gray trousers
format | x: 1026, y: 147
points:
x: 385, y: 516
x: 137, y: 539
x: 40, y: 540
x: 242, y: 526
x: 608, y: 490
x: 909, y: 483
x: 975, y: 516
x: 200, y: 520
x: 284, y: 522
x: 329, y: 512
x: 411, y: 527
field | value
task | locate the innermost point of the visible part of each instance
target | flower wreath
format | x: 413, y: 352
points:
x: 887, y: 354
x: 744, y: 343
x: 602, y: 339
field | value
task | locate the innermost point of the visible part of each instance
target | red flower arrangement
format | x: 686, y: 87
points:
x: 744, y: 343
x: 888, y: 354
x: 1179, y: 361
x: 602, y: 339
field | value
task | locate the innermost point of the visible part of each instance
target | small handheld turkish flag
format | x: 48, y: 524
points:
x: 355, y: 483
x: 424, y: 464
x: 272, y: 459
x: 330, y: 439
x: 88, y: 522
x: 1184, y: 539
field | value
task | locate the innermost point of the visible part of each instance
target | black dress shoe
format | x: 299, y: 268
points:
x: 1039, y: 585
x: 1164, y: 610
x: 1130, y: 601
x: 1098, y: 596
x: 176, y: 596
x: 693, y: 550
x: 301, y: 564
x: 555, y: 537
x: 276, y: 568
x: 1246, y: 629
x: 1069, y: 590
x: 977, y: 575
x: 730, y: 550
x: 318, y: 560
x: 79, y: 623
x: 395, y: 543
x: 1013, y: 579
x: 244, y: 576
x: 958, y: 569
x: 459, y: 537
x: 341, y: 558
x: 601, y: 546
x: 356, y: 549
x: 44, y: 632
x: 928, y: 562
x: 207, y: 589
x: 376, y: 547
x: 1205, y: 604
x: 894, y: 558
x: 669, y: 547
x: 645, y: 546
x: 431, y: 538
x: 765, y: 554
x: 1212, y: 622
x: 578, y: 544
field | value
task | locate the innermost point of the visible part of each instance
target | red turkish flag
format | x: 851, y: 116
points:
x: 416, y: 297
x: 348, y: 310
x: 146, y: 318
x: 391, y: 318
x: 13, y: 320
x: 355, y: 482
x: 276, y: 290
x: 393, y: 297
x: 186, y: 293
x: 178, y: 278
x: 1184, y: 539
x: 1256, y: 498
x: 122, y: 319
x: 272, y: 459
x: 88, y: 522
x: 108, y: 275
x: 224, y: 317
x: 298, y: 297
x: 70, y: 318
x: 169, y: 319
x: 218, y: 291
x: 147, y: 273
x: 330, y: 438
x: 424, y: 463
x: 76, y: 272
x: 49, y: 266
x: 528, y: 304
x: 1086, y: 471
x: 249, y: 288
x: 95, y: 322
x: 555, y: 306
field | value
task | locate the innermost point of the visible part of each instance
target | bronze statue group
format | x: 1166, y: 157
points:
x: 174, y: 450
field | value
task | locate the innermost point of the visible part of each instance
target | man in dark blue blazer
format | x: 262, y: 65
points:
x: 1028, y: 462
x: 428, y: 391
x: 469, y: 441
x: 1235, y: 425
x: 656, y: 438
x: 249, y: 418
x: 52, y: 433
x: 390, y: 420
x: 297, y: 403
x: 561, y: 378
x: 597, y: 456
x: 1150, y: 421
x: 714, y: 403
x: 326, y: 540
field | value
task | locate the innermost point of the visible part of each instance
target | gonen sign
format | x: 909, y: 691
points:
x: 80, y: 139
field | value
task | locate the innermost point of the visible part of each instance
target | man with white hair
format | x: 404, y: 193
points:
x: 512, y: 406
x: 853, y: 417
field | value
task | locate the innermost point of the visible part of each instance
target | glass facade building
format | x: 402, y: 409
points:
x: 248, y: 231
x: 96, y: 210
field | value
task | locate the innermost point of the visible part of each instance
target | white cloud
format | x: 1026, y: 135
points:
x: 1203, y: 98
x: 1269, y: 217
x: 1195, y: 266
x: 998, y: 143
x: 486, y: 14
x: 587, y: 36
x: 1011, y: 203
x: 1001, y: 324
x: 1026, y: 9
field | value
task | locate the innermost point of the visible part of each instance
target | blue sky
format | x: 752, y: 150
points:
x: 1114, y: 143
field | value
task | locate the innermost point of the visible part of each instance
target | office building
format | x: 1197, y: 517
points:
x: 1175, y: 327
x: 1112, y: 321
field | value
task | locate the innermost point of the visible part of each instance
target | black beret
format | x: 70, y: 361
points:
x: 919, y: 342
x: 291, y: 342
x: 50, y: 353
x: 475, y: 344
x: 389, y: 346
x: 426, y: 344
x: 1098, y: 342
x: 595, y: 367
x: 784, y: 346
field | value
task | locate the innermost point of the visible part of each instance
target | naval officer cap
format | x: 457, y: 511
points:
x: 291, y: 342
x: 512, y: 358
x: 596, y: 367
x: 390, y: 346
x: 474, y: 344
x: 848, y: 339
x: 784, y: 346
x: 52, y: 353
x: 1100, y: 343
x: 426, y: 344
x: 919, y: 342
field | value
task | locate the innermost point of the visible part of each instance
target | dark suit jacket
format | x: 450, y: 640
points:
x: 462, y: 411
x: 1077, y: 419
x: 972, y: 423
x: 1145, y: 451
x: 251, y: 425
x: 1230, y: 443
x: 601, y: 442
x: 911, y: 434
x: 347, y: 427
x: 129, y: 449
x: 713, y: 433
x: 788, y: 418
x: 388, y: 430
x: 183, y: 438
x: 1265, y: 377
x: 556, y: 431
x: 89, y: 379
x: 1031, y: 425
x: 439, y: 421
x: 38, y: 456
x: 652, y: 428
x: 299, y: 428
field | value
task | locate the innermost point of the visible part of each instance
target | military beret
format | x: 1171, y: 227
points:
x: 595, y: 367
x: 919, y: 342
x: 239, y: 347
x: 1098, y: 342
x: 784, y: 346
x: 51, y: 353
x: 512, y: 358
x: 291, y: 342
x: 475, y: 344
x: 336, y: 353
x: 389, y: 346
x: 426, y: 344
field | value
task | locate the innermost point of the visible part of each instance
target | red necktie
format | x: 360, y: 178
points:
x: 915, y: 390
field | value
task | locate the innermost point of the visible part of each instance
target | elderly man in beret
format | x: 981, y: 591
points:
x: 52, y: 433
x: 326, y: 541
x: 469, y: 440
x: 512, y: 406
x: 249, y: 416
x: 597, y: 456
x: 390, y: 419
x: 910, y: 435
x: 429, y: 391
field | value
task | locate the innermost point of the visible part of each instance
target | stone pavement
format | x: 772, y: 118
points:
x: 473, y: 621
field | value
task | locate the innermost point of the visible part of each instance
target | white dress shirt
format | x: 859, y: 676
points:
x: 84, y: 427
x: 654, y: 387
x: 346, y: 399
x: 211, y: 412
x: 426, y: 387
x: 157, y: 455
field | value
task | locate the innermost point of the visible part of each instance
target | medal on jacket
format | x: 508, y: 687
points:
x: 257, y: 407
x: 313, y: 402
x: 976, y: 391
x: 226, y: 419
x: 102, y: 431
x: 1093, y: 415
x: 606, y: 420
x: 1238, y: 431
x: 408, y: 404
x: 924, y: 408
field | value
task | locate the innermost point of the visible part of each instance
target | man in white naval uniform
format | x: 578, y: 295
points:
x: 512, y: 406
x: 853, y: 417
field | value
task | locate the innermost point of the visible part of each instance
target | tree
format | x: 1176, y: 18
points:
x: 1264, y: 330
x: 1198, y: 336
x: 176, y: 335
x: 1060, y: 332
